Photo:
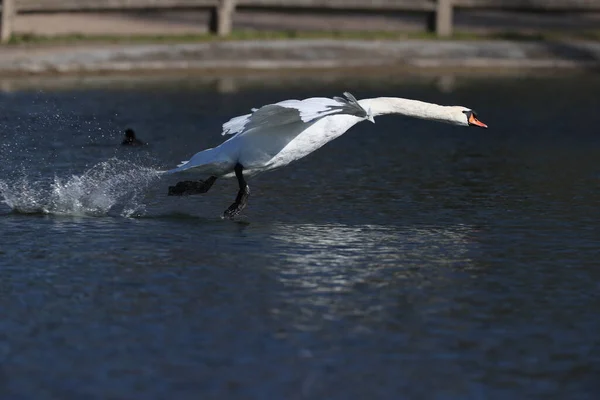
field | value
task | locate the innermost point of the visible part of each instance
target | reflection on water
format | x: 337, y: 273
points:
x: 330, y: 266
x: 338, y: 245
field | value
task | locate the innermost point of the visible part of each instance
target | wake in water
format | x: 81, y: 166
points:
x: 109, y: 185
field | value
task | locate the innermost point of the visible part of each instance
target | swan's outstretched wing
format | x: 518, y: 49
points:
x: 259, y: 136
x: 301, y: 112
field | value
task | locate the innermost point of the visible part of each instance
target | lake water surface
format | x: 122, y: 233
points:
x: 404, y: 260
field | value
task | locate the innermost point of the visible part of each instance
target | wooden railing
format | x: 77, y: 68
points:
x: 222, y: 10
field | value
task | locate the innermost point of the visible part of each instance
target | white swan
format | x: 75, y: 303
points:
x: 276, y: 134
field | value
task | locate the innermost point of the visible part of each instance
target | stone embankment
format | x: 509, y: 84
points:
x: 296, y: 54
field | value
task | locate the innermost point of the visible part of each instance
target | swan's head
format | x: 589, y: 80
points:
x: 466, y: 117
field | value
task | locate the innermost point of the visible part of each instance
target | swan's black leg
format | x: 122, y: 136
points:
x: 242, y: 197
x: 186, y: 188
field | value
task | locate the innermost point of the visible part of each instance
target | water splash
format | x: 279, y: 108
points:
x: 112, y: 185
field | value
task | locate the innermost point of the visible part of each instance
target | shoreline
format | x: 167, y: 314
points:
x: 296, y: 54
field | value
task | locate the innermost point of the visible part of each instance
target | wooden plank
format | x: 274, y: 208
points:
x: 376, y: 5
x: 89, y: 5
x: 75, y: 5
x: 531, y: 5
x: 6, y: 23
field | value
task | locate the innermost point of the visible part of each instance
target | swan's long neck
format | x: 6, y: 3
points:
x: 410, y: 108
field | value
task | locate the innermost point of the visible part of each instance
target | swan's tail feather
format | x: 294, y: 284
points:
x: 210, y: 161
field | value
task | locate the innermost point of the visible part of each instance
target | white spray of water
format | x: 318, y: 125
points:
x: 107, y: 185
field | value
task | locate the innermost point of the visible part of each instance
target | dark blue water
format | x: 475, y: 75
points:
x: 406, y: 259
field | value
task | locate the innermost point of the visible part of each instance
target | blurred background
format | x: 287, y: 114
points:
x: 169, y: 17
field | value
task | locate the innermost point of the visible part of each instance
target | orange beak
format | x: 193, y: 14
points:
x: 476, y: 122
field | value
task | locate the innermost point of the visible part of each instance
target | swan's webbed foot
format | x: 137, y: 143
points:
x: 187, y: 188
x: 239, y: 204
x: 242, y: 197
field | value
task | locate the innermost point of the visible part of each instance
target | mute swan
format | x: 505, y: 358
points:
x: 276, y: 134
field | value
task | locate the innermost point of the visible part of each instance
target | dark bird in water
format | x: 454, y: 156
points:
x: 130, y: 139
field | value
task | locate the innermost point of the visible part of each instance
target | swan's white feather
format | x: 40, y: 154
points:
x: 266, y: 139
x: 307, y: 110
x: 277, y: 134
x: 236, y: 125
x: 274, y: 135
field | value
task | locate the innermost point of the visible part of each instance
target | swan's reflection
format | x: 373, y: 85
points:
x: 333, y: 270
